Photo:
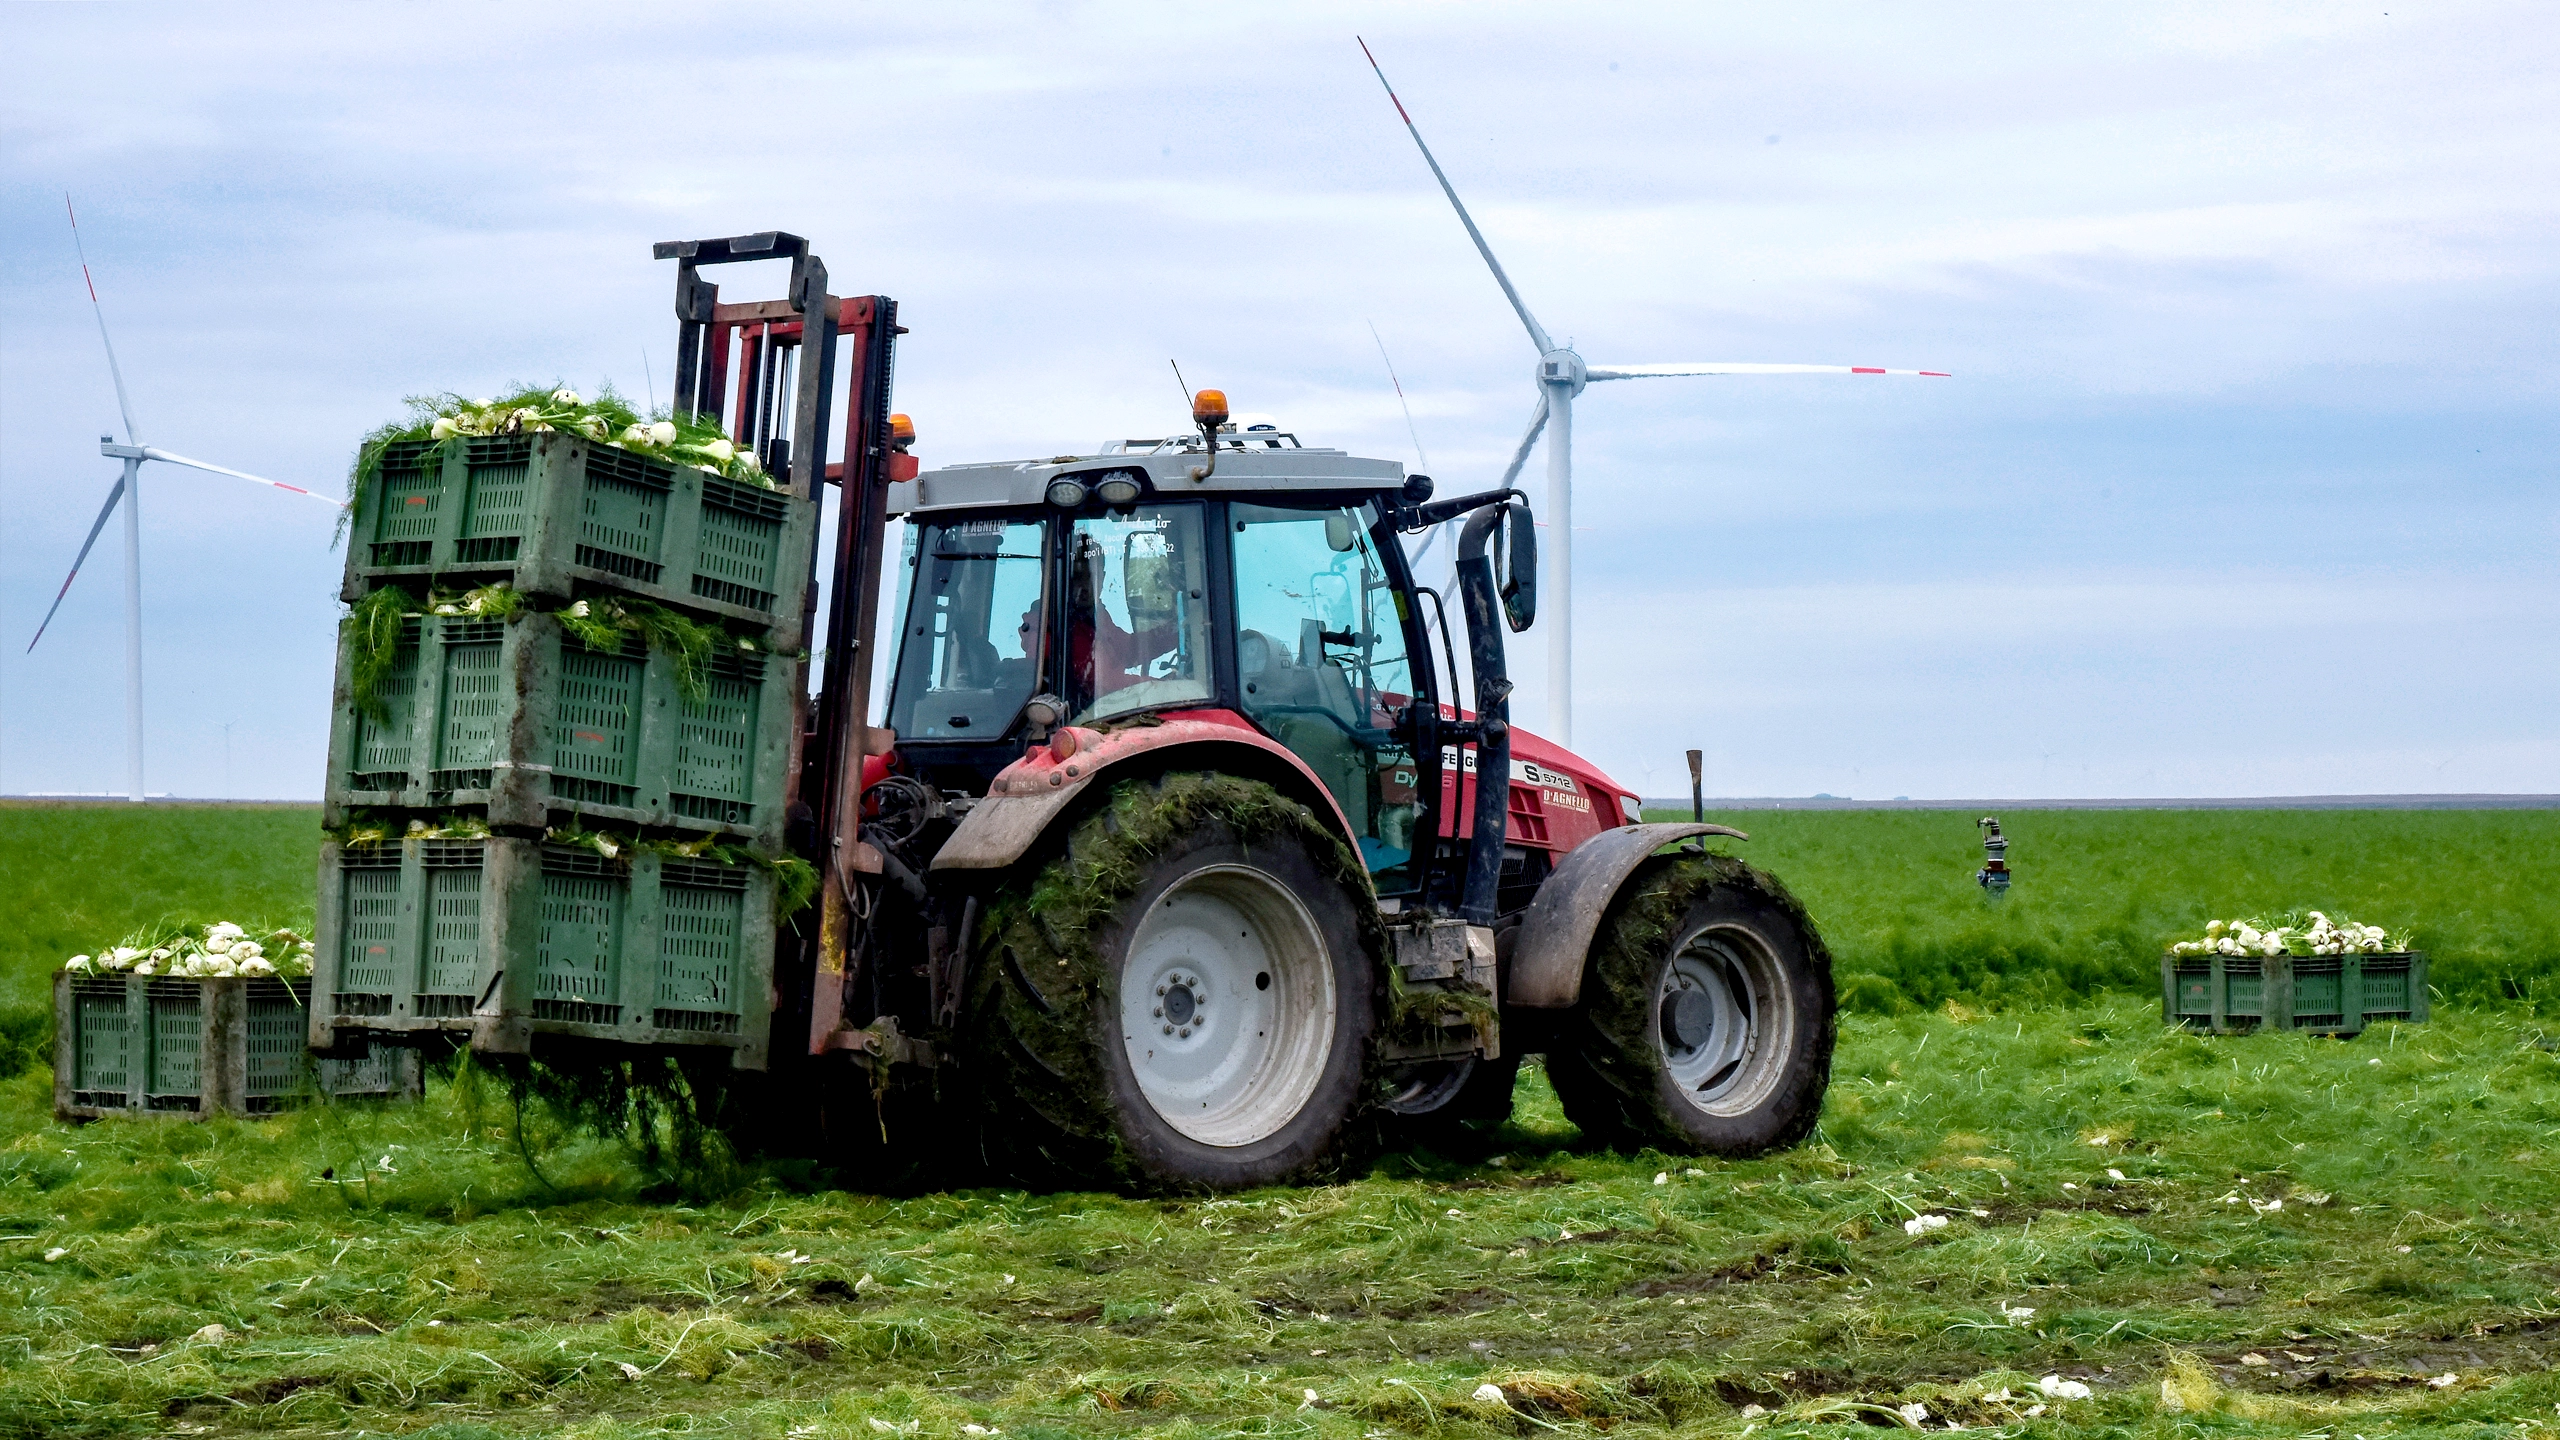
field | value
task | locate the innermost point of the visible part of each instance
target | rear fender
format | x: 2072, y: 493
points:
x: 1555, y: 935
x: 1030, y: 794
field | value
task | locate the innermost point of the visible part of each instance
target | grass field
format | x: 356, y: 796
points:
x: 1892, y: 890
x: 78, y: 876
x: 2098, y: 891
x: 2149, y: 1213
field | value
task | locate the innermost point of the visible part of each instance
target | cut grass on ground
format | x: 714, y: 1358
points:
x: 2364, y: 1217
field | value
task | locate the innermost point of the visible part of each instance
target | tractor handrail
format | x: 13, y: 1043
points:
x: 1492, y: 727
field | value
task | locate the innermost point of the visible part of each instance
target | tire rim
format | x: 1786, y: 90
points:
x: 1429, y: 1087
x: 1227, y: 1006
x: 1723, y: 1023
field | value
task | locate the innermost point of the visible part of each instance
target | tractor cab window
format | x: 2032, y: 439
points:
x: 1320, y: 656
x: 1137, y: 612
x: 969, y: 652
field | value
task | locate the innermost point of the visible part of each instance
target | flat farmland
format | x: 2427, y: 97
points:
x: 2250, y: 1235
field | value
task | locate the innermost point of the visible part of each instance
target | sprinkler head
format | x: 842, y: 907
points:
x: 1993, y: 877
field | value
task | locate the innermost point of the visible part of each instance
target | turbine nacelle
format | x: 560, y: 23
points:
x: 1562, y: 374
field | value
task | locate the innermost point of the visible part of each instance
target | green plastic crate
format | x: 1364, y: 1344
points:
x: 166, y: 1045
x: 2324, y: 994
x: 507, y: 939
x: 558, y: 515
x: 520, y: 721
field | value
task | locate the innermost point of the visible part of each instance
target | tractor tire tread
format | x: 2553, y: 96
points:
x: 1033, y: 1059
x: 1607, y: 1070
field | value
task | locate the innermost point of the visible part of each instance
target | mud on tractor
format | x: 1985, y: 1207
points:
x: 1179, y: 858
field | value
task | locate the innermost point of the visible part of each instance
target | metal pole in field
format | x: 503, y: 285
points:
x: 133, y: 625
x: 1560, y: 564
x: 1698, y: 785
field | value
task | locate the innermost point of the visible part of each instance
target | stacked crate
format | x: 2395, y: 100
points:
x: 167, y: 1045
x: 555, y: 514
x: 519, y: 724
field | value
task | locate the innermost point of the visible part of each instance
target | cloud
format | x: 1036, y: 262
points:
x: 2266, y: 289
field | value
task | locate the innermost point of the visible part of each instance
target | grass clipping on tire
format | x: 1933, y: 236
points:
x: 1039, y: 939
x: 1628, y: 952
x: 1633, y: 936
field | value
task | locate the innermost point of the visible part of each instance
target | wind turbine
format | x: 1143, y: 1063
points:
x: 1561, y: 375
x: 128, y: 489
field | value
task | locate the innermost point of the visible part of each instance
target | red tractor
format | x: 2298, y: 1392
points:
x: 1171, y: 865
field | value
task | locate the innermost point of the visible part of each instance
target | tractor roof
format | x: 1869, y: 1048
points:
x: 1253, y: 462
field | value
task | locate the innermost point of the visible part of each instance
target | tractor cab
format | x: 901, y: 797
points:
x: 1269, y: 595
x: 1109, y: 667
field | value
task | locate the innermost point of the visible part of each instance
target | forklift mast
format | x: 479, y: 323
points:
x: 767, y: 371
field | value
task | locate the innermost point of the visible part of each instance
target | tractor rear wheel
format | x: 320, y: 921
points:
x: 1181, y: 997
x: 1706, y: 1019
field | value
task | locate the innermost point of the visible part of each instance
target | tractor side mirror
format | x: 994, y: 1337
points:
x: 1339, y: 533
x: 1520, y: 585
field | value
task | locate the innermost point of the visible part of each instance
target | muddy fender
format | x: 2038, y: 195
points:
x: 1033, y: 792
x: 1555, y: 935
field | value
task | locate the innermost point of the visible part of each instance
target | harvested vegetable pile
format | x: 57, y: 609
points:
x: 607, y: 419
x: 2296, y: 933
x: 201, y: 952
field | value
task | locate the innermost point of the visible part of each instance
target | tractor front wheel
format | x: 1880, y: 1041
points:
x: 1182, y: 999
x: 1706, y: 1019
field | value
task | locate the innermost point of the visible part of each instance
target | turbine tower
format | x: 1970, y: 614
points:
x: 1561, y: 375
x: 128, y: 489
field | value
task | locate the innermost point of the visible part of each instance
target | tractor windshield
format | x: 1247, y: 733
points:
x: 1137, y: 616
x: 969, y: 651
x: 1320, y: 647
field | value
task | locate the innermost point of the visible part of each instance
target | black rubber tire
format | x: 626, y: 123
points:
x: 1467, y: 1125
x: 1042, y: 1046
x: 1611, y: 1066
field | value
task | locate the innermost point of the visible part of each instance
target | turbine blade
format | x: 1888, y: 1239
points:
x: 150, y: 452
x: 122, y: 404
x: 1410, y: 427
x: 1737, y: 367
x: 113, y: 495
x: 1520, y: 457
x: 1537, y: 332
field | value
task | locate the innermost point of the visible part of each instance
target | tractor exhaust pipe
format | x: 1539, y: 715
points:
x: 1515, y: 597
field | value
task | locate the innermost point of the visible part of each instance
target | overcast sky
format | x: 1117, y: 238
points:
x: 2243, y: 485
